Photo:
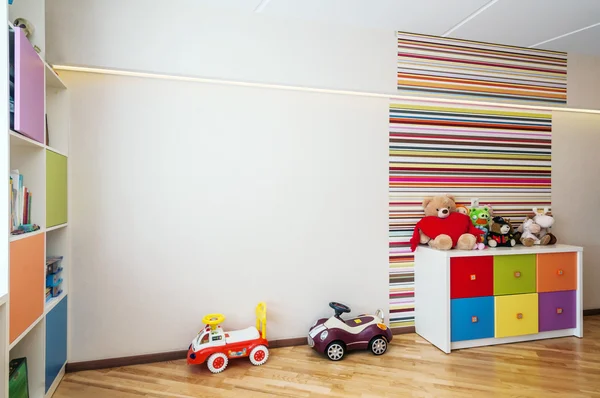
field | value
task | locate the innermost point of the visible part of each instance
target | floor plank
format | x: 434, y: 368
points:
x: 565, y: 367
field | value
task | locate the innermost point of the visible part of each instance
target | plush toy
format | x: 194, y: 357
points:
x: 480, y: 217
x: 443, y: 227
x: 529, y: 233
x: 462, y: 209
x: 535, y: 229
x: 501, y: 233
x: 544, y: 219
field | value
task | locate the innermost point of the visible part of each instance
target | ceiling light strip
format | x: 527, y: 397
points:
x: 261, y: 6
x: 470, y: 17
x: 118, y: 72
x: 565, y: 35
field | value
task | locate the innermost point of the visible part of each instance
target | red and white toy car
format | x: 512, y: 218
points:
x: 216, y: 346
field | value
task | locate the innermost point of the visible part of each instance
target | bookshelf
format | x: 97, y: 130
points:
x: 32, y: 325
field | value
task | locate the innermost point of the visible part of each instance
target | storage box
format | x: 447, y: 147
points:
x: 18, y: 384
x: 56, y: 290
x: 53, y: 280
x: 53, y: 264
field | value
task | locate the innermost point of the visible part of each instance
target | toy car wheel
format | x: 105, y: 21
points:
x: 378, y: 345
x: 335, y: 351
x: 259, y: 355
x: 217, y: 362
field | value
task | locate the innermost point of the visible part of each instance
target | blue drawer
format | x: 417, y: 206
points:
x: 56, y: 341
x: 472, y: 318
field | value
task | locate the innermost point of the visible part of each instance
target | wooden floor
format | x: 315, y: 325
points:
x: 566, y: 367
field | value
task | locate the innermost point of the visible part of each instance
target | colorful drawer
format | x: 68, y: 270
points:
x: 471, y: 276
x: 516, y: 315
x: 514, y: 274
x: 26, y: 283
x: 556, y: 272
x: 472, y: 318
x: 56, y: 341
x: 56, y: 189
x: 475, y: 298
x: 557, y: 310
x: 28, y: 118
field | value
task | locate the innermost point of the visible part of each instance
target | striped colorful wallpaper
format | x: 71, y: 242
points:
x: 499, y: 155
x: 441, y: 66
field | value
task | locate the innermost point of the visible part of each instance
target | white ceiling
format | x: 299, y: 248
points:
x: 410, y: 16
x: 565, y: 25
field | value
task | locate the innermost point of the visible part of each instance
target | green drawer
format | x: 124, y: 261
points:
x: 514, y: 274
x: 56, y: 189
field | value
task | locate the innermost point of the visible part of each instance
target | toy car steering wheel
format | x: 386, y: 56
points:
x: 339, y: 308
x: 213, y: 320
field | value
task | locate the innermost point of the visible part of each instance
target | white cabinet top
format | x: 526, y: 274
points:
x: 500, y: 251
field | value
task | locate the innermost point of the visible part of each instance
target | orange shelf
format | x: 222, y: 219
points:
x: 26, y: 283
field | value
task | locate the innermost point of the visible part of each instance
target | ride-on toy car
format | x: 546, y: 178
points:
x: 216, y: 346
x: 334, y: 336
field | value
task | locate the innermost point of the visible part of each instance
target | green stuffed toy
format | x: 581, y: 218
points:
x: 480, y: 217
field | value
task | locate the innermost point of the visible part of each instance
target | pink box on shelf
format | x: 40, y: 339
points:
x: 29, y: 118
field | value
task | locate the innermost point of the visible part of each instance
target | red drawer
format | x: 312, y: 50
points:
x: 471, y: 276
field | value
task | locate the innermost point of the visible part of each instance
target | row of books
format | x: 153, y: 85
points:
x: 20, y: 201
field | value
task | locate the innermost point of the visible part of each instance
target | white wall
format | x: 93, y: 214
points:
x: 575, y: 191
x: 182, y: 37
x: 193, y: 198
x: 583, y: 81
x: 190, y: 198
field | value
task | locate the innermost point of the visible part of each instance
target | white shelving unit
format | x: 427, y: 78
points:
x: 4, y: 233
x: 31, y: 326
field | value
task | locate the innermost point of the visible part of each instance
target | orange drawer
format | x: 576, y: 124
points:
x: 27, y: 267
x: 556, y: 272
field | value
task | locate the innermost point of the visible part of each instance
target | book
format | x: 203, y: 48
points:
x: 20, y: 201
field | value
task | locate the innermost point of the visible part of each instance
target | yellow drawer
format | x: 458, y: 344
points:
x: 516, y: 315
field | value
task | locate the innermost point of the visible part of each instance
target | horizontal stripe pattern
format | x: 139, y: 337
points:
x: 440, y: 66
x: 500, y: 155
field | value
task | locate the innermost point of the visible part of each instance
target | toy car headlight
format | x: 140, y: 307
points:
x: 324, y: 335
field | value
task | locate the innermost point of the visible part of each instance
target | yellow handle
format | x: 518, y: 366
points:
x: 213, y: 320
x: 261, y: 319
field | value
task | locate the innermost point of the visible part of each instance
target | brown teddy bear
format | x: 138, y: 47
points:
x: 501, y: 233
x: 444, y: 228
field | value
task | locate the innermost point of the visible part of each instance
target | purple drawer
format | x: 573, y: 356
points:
x: 557, y: 310
x: 29, y: 88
